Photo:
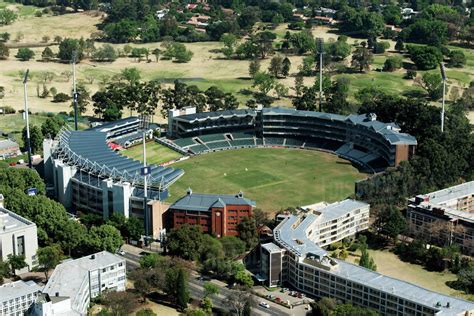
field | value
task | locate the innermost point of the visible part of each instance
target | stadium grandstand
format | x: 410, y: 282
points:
x: 87, y: 174
x: 362, y: 139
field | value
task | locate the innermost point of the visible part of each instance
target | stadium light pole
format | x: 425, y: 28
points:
x: 74, y: 92
x: 28, y: 141
x: 320, y: 43
x: 443, y: 75
x: 144, y: 122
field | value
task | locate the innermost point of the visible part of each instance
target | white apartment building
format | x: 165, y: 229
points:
x: 444, y: 217
x: 85, y: 278
x: 17, y: 297
x: 295, y: 259
x: 336, y: 221
x: 17, y: 237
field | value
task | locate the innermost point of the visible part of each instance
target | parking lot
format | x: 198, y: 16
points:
x: 295, y: 299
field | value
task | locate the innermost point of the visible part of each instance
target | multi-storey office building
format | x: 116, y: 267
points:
x: 17, y: 237
x: 301, y: 263
x: 85, y: 278
x: 445, y: 217
x: 360, y: 138
x: 216, y: 214
x: 17, y: 297
x: 87, y: 175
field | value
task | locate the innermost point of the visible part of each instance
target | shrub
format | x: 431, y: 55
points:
x: 24, y: 54
x: 425, y: 57
x: 61, y: 97
x: 411, y: 74
x: 380, y: 47
x: 8, y: 110
x: 392, y: 63
x: 456, y: 59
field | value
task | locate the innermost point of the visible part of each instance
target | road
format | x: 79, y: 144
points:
x: 197, y: 291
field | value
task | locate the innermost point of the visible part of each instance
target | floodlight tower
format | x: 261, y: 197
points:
x: 144, y: 123
x: 74, y: 92
x: 443, y: 75
x: 28, y: 141
x: 320, y: 48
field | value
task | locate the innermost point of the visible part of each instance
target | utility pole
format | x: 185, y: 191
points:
x: 28, y: 141
x: 443, y: 75
x: 74, y: 92
x: 144, y: 122
x: 320, y: 47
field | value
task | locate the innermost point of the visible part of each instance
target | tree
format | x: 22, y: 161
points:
x: 276, y: 66
x: 131, y: 75
x: 392, y: 14
x: 82, y: 99
x: 238, y: 299
x: 17, y: 262
x: 4, y: 270
x: 229, y: 40
x: 399, y: 46
x: 337, y: 99
x: 456, y: 59
x: 361, y: 59
x: 186, y: 242
x: 105, y: 237
x: 285, y: 70
x: 105, y: 53
x: 67, y: 74
x: 435, y: 259
x: 248, y: 232
x: 338, y: 50
x: 425, y: 57
x: 424, y: 31
x: 7, y: 16
x: 264, y: 82
x: 51, y: 126
x: 24, y: 54
x: 67, y: 47
x: 49, y: 257
x: 366, y: 260
x: 36, y: 138
x: 182, y: 297
x: 210, y: 289
x: 254, y: 68
x: 302, y: 41
x: 120, y: 303
x: 432, y: 83
x: 299, y: 84
x: 4, y: 51
x: 466, y: 279
x: 247, y: 311
x: 156, y: 52
x: 151, y: 260
x: 324, y: 306
x: 244, y: 278
x: 390, y: 222
x: 47, y: 54
x: 72, y: 236
x: 181, y: 54
x: 307, y: 101
x: 232, y: 246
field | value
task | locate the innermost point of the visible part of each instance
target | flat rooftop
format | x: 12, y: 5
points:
x: 335, y: 210
x: 452, y: 193
x: 10, y: 221
x: 17, y: 289
x: 69, y: 276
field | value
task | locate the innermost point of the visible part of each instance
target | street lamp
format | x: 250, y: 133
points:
x: 320, y: 48
x: 28, y: 141
x: 144, y: 123
x: 443, y: 75
x: 74, y: 92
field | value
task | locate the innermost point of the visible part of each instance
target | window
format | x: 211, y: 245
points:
x: 20, y: 244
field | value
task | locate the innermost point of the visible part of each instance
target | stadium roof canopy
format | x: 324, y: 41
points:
x: 89, y: 150
x: 389, y: 131
x: 203, y: 116
x: 204, y: 202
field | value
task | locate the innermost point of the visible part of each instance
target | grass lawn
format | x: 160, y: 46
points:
x: 389, y: 264
x: 275, y: 178
x: 155, y: 153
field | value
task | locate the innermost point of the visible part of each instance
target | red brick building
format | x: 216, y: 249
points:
x: 217, y: 214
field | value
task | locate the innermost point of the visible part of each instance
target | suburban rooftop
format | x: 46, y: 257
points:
x: 10, y: 221
x: 204, y: 202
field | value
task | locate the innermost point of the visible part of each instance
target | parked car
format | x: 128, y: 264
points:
x: 263, y: 304
x: 278, y: 300
x: 121, y: 252
x: 270, y: 296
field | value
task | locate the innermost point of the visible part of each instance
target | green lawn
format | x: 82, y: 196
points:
x: 389, y: 264
x: 275, y: 178
x: 156, y: 153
